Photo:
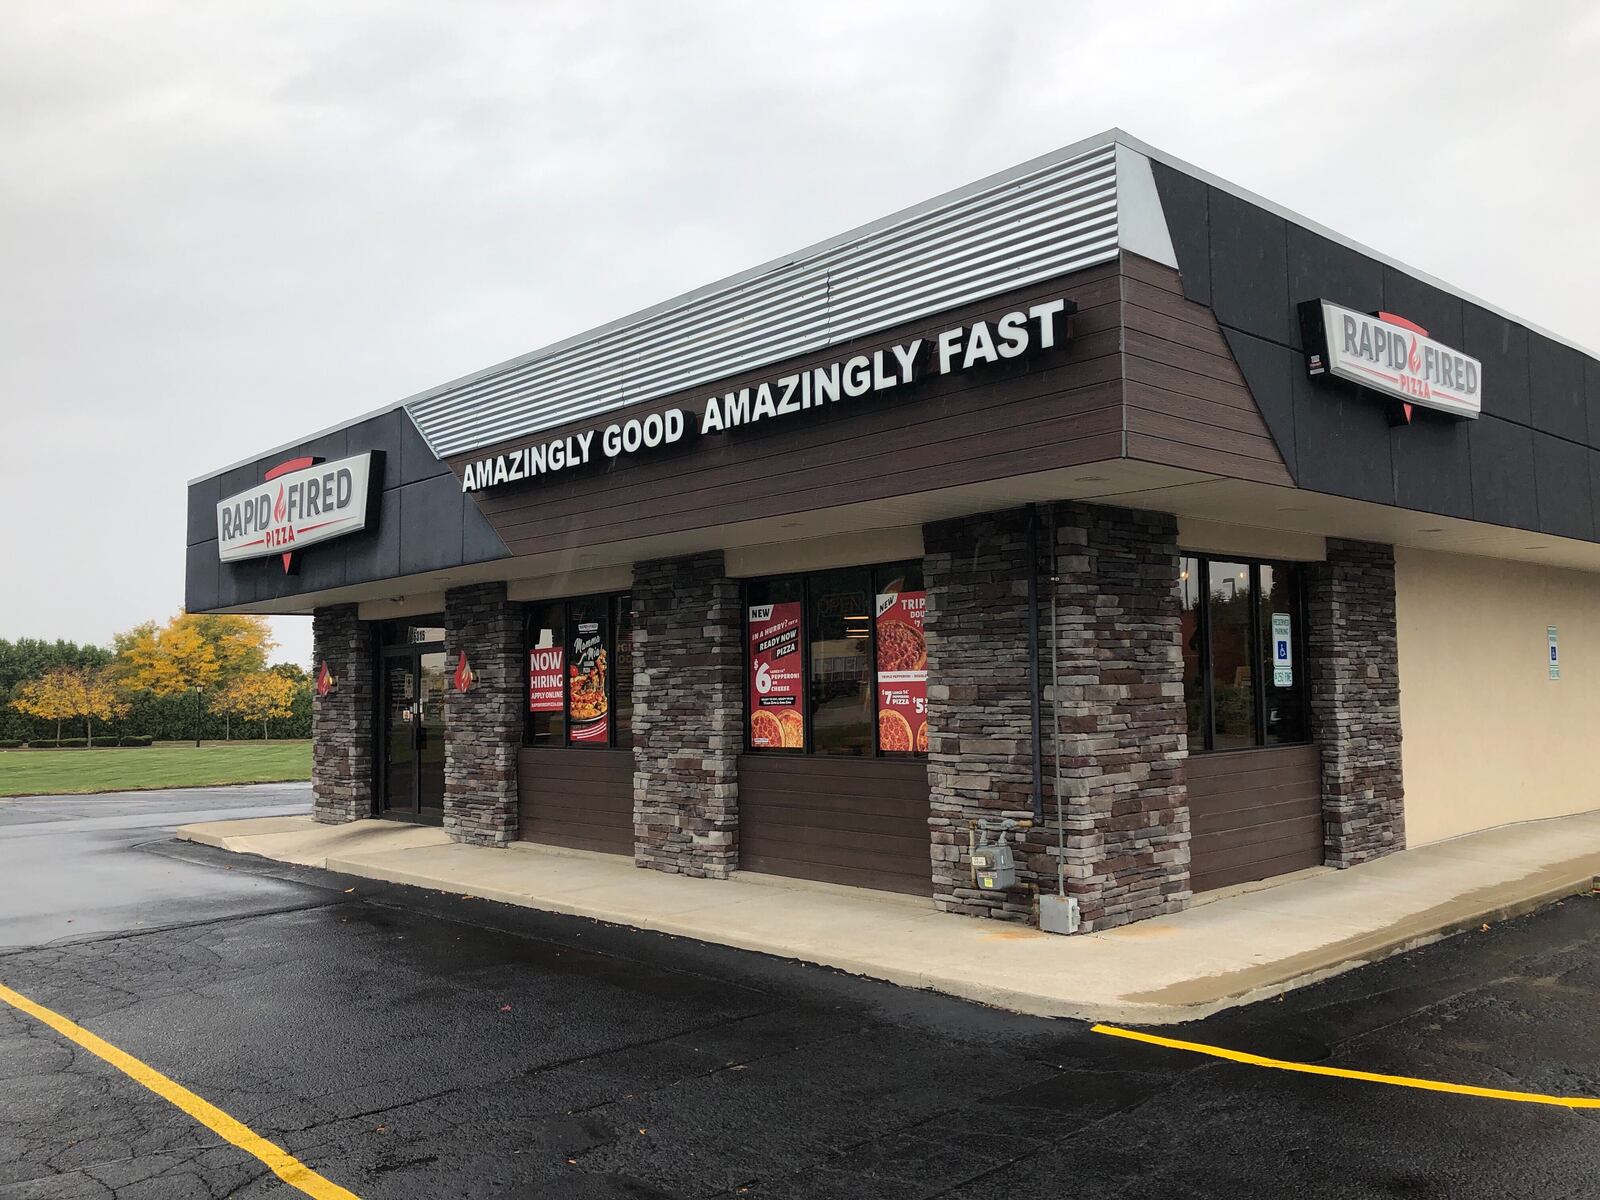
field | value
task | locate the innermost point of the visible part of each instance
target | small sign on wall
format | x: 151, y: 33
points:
x: 1555, y: 652
x: 1282, y: 651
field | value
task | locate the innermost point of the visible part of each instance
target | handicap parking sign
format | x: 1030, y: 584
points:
x: 1282, y: 651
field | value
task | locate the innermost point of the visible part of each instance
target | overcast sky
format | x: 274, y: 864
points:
x: 224, y: 226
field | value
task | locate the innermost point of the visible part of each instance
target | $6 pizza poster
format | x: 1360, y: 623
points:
x: 777, y: 684
x: 902, y: 673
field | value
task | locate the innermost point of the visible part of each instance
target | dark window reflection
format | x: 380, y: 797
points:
x: 840, y: 691
x: 1244, y: 676
x: 1232, y: 684
x: 1282, y: 660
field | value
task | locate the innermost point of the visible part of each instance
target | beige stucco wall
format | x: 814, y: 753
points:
x: 1489, y: 738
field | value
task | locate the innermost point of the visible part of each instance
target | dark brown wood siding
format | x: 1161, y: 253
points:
x: 581, y: 799
x: 1253, y: 814
x: 1060, y: 408
x: 859, y: 821
x: 1187, y: 401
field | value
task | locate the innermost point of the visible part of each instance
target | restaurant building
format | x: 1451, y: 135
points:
x: 1099, y: 495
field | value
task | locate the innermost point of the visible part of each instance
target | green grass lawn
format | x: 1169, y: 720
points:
x: 167, y: 765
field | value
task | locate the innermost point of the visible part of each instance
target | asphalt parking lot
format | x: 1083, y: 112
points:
x: 411, y: 1044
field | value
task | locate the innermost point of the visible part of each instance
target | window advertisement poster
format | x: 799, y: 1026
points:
x: 546, y: 687
x: 589, y: 694
x: 777, y: 678
x: 902, y: 673
x: 1282, y: 650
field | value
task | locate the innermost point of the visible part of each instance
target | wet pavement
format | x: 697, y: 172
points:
x: 411, y: 1044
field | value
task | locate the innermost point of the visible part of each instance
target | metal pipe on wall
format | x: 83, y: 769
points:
x: 1033, y: 663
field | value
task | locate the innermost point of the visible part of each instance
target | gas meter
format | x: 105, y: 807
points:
x: 994, y: 868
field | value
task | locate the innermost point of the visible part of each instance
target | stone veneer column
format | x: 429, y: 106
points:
x: 688, y: 716
x: 342, y: 749
x: 1124, y: 728
x: 979, y: 733
x: 483, y: 725
x: 1122, y: 714
x: 1355, y: 700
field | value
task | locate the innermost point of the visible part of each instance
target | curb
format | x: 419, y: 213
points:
x: 1010, y: 999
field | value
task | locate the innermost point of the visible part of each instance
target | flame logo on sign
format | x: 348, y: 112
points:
x: 324, y: 679
x: 1414, y: 359
x: 465, y: 677
x: 280, y: 508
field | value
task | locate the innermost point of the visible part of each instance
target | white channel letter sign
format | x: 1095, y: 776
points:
x: 298, y: 508
x: 1392, y: 355
x: 1024, y: 332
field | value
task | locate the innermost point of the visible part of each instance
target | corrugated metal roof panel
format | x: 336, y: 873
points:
x: 1058, y: 218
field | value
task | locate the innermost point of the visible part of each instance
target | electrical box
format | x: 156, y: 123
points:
x: 994, y: 868
x: 1058, y: 914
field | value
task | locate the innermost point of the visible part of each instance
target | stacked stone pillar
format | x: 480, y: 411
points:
x: 342, y: 720
x: 1355, y: 700
x: 1123, y: 728
x: 483, y: 721
x: 688, y: 715
x: 980, y: 747
x: 1120, y: 693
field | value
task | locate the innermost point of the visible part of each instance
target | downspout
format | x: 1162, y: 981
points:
x: 1033, y: 664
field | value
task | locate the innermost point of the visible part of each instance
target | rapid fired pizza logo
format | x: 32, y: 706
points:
x: 298, y: 502
x: 1390, y: 354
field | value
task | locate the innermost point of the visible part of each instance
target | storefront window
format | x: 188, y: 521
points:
x: 840, y: 686
x: 1232, y: 681
x: 1282, y: 668
x: 775, y: 664
x: 547, y: 675
x: 837, y: 663
x: 1243, y: 674
x: 576, y: 695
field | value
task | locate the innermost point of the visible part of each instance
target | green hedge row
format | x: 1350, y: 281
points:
x: 74, y: 743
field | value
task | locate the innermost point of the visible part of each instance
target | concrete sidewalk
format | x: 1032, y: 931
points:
x: 1231, y: 950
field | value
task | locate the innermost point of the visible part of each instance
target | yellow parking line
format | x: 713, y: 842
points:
x: 282, y: 1164
x: 1278, y: 1064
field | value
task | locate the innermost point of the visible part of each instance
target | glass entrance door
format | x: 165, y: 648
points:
x: 412, y: 732
x: 400, y: 758
x: 430, y: 735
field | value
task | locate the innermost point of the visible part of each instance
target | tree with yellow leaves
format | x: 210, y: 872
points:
x: 48, y: 697
x: 257, y: 697
x: 191, y: 652
x: 71, y: 692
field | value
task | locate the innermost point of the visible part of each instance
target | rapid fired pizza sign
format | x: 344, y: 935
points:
x: 300, y: 503
x: 1393, y: 355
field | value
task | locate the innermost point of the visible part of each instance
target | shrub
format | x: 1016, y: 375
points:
x: 10, y: 745
x: 42, y: 743
x: 71, y: 744
x: 135, y: 741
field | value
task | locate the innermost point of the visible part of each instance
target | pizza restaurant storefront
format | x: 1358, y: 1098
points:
x: 1091, y: 554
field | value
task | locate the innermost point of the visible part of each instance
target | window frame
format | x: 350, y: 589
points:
x: 614, y: 601
x: 876, y: 574
x: 1258, y: 687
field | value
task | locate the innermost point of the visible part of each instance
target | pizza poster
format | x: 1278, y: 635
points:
x: 777, y: 678
x: 547, y: 691
x: 588, y: 691
x: 902, y: 673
